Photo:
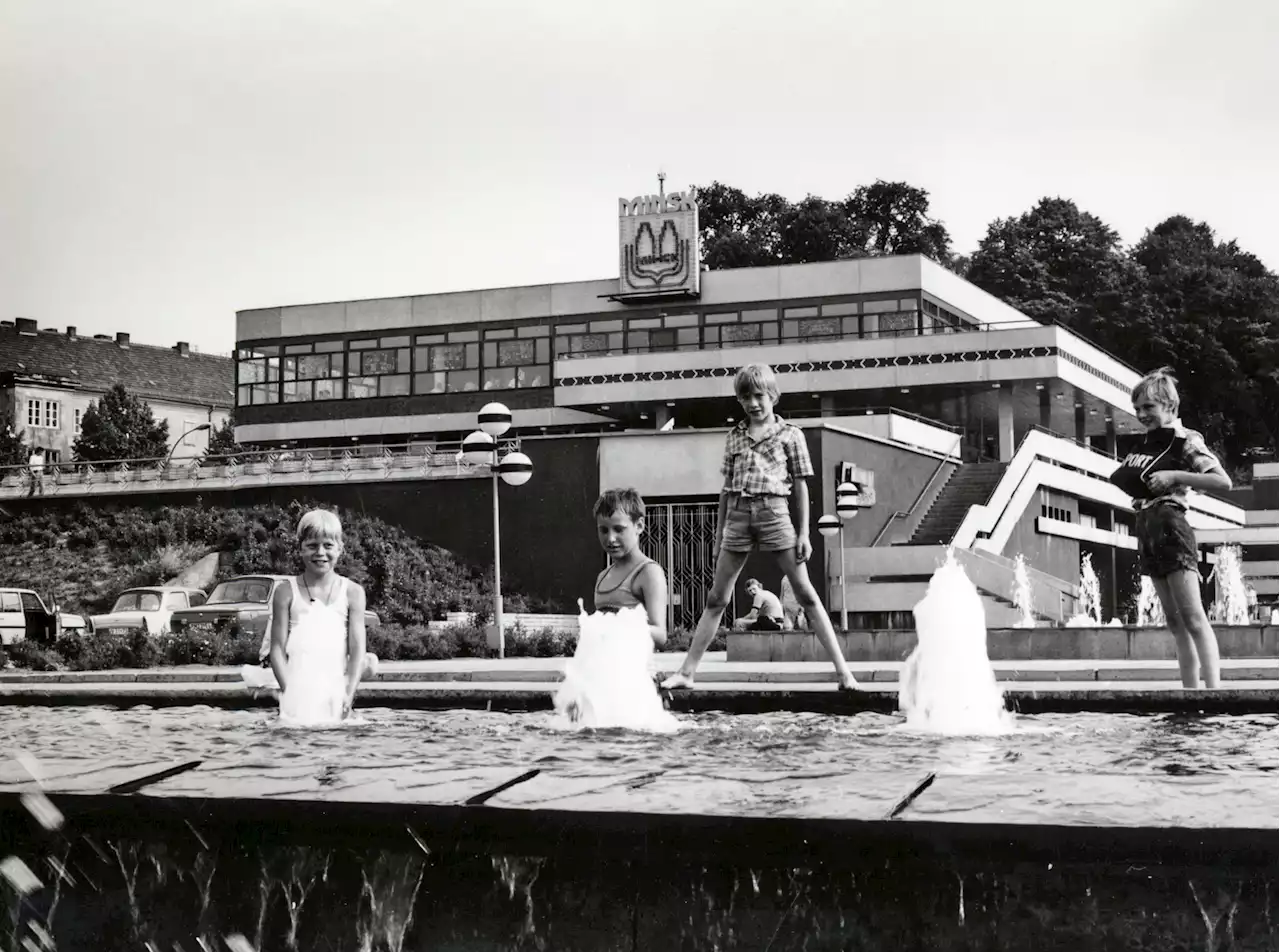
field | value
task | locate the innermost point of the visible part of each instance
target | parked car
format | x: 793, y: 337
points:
x: 241, y: 604
x: 148, y: 608
x: 23, y: 615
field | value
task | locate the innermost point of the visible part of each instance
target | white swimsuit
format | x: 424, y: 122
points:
x: 316, y: 658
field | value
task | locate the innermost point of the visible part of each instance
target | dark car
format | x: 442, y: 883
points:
x: 238, y: 605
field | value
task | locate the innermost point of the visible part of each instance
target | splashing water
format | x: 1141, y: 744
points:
x: 947, y: 684
x: 1022, y: 593
x: 1150, y: 611
x: 1231, y: 588
x: 607, y: 682
x: 1090, y: 615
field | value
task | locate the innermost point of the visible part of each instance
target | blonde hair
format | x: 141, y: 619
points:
x: 1161, y: 386
x: 756, y: 377
x: 319, y: 523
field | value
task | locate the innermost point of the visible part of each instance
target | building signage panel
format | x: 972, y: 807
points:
x: 658, y: 245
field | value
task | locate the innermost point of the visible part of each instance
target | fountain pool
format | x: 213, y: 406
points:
x: 735, y: 832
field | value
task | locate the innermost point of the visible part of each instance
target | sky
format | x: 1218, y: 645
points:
x: 167, y: 163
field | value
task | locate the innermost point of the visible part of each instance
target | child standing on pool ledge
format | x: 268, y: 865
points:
x: 764, y: 505
x: 317, y: 629
x: 1171, y: 460
x: 632, y: 578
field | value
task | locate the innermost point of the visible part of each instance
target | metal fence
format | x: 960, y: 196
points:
x: 680, y: 537
x: 405, y: 459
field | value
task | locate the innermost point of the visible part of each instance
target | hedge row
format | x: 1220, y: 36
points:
x: 389, y: 642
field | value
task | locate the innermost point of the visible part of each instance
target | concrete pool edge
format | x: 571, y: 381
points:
x: 745, y: 839
x: 1251, y: 697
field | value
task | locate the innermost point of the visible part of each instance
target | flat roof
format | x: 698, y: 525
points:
x: 739, y: 286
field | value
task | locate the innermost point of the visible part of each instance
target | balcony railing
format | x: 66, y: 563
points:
x: 403, y: 460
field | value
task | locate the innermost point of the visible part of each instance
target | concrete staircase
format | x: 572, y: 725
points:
x: 970, y: 485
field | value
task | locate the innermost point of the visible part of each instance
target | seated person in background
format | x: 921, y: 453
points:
x: 766, y: 610
x: 793, y: 616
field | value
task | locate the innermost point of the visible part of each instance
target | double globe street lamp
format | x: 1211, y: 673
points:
x: 481, y: 448
x: 848, y: 502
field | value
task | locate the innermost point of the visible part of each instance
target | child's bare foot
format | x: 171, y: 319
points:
x: 370, y: 666
x: 678, y: 680
x: 849, y: 685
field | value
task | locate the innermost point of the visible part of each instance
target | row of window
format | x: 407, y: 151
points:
x: 516, y: 357
x: 47, y: 415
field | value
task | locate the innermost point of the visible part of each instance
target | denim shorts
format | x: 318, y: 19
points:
x: 758, y: 522
x: 1166, y: 542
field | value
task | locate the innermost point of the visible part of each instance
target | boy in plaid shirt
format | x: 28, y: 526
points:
x: 764, y: 505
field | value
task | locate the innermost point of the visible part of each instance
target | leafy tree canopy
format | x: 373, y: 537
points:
x: 121, y: 426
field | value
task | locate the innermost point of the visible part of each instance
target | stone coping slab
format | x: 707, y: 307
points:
x: 1110, y: 643
x: 551, y: 671
x: 1215, y: 819
x: 1255, y: 696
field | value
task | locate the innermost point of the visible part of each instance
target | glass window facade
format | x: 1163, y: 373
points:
x: 521, y: 356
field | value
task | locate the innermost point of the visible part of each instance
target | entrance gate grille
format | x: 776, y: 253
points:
x: 680, y: 538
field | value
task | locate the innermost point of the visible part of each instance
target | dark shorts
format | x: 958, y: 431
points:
x: 1166, y: 542
x: 758, y: 522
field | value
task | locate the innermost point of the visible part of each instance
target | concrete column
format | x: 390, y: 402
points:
x: 1046, y: 406
x: 1080, y: 420
x: 1110, y: 444
x: 826, y: 405
x: 1004, y: 422
x: 661, y: 417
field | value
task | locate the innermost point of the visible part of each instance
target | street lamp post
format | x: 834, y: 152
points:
x: 847, y: 506
x: 831, y: 525
x: 178, y: 441
x: 515, y: 469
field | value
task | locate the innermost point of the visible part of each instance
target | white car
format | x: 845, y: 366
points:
x: 23, y: 615
x: 148, y: 609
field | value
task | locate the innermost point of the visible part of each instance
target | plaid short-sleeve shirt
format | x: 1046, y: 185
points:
x: 767, y: 466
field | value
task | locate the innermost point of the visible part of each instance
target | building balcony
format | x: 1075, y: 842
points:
x: 884, y: 362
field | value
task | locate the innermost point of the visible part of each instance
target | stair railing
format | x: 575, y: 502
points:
x: 900, y: 514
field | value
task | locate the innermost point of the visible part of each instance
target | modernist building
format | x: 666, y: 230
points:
x: 48, y: 378
x: 980, y: 428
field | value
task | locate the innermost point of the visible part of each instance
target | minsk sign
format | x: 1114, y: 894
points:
x: 658, y: 245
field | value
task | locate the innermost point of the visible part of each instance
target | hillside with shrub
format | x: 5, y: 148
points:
x: 82, y: 558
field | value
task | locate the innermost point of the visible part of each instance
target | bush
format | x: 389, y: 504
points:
x: 419, y: 643
x: 218, y: 648
x: 103, y: 652
x: 34, y: 657
x: 544, y: 643
x: 681, y: 638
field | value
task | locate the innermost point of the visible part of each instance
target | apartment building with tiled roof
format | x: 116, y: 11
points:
x: 48, y: 378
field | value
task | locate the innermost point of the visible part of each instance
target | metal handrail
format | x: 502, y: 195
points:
x: 900, y: 514
x: 176, y: 469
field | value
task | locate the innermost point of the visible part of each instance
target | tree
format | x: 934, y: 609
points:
x: 120, y: 426
x: 13, y: 446
x: 818, y: 230
x: 1051, y: 262
x: 736, y: 231
x: 886, y: 218
x: 222, y: 441
x: 1217, y: 312
x: 893, y: 219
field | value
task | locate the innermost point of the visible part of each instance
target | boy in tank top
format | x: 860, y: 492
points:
x: 632, y: 578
